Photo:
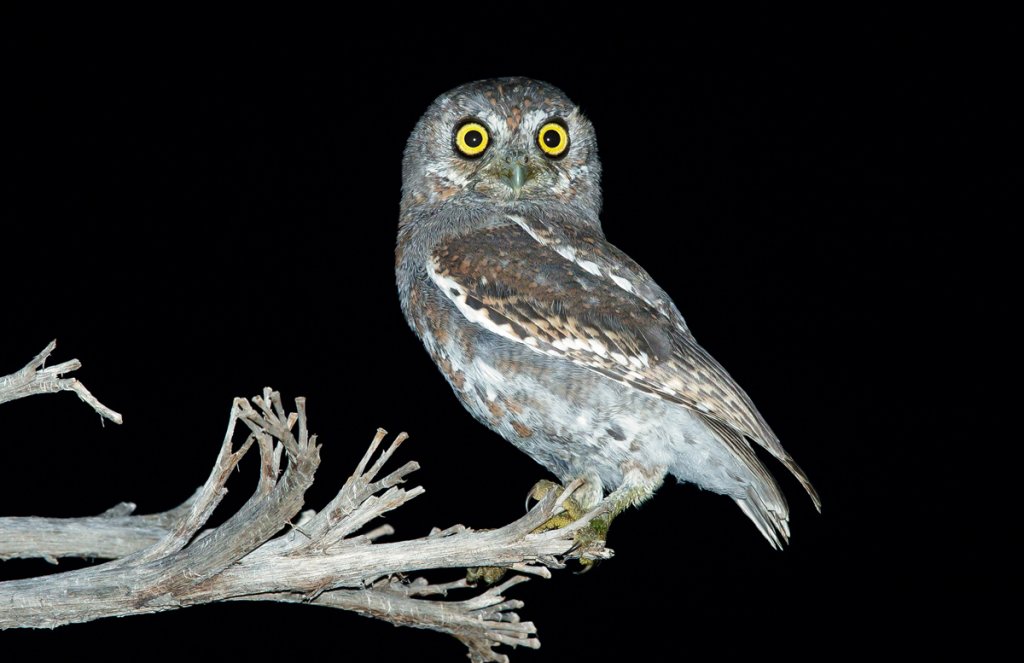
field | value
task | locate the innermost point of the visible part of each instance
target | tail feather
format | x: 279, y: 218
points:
x: 773, y: 524
x: 737, y: 443
x: 764, y: 502
x: 801, y: 476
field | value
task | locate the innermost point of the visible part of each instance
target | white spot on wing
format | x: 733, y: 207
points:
x: 573, y: 343
x: 450, y: 286
x: 564, y: 250
x: 569, y: 253
x: 622, y: 283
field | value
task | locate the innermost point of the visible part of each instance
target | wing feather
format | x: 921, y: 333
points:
x: 570, y: 294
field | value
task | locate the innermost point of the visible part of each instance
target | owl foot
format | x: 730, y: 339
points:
x: 573, y: 509
x: 488, y: 575
x: 590, y: 537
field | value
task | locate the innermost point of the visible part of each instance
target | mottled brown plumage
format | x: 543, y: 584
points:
x: 550, y: 335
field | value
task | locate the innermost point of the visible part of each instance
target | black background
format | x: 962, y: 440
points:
x: 195, y: 221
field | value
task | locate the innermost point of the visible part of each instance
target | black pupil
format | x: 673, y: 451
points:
x: 552, y: 138
x: 473, y: 138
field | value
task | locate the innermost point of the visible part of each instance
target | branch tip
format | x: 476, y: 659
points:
x: 35, y: 378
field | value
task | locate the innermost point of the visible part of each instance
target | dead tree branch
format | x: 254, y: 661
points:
x: 268, y: 550
x: 35, y: 378
x: 114, y: 533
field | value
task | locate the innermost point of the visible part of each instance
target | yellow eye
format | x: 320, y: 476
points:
x: 471, y: 138
x: 553, y: 139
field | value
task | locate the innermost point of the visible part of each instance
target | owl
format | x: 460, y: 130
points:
x: 550, y: 335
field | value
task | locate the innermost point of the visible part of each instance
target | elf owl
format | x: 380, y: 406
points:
x: 549, y: 335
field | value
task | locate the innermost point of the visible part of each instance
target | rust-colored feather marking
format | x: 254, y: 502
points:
x: 570, y: 294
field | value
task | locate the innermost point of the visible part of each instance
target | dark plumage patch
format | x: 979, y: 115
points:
x: 616, y: 433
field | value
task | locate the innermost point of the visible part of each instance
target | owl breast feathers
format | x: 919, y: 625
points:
x: 548, y: 334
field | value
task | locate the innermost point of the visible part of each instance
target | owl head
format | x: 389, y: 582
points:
x: 505, y: 140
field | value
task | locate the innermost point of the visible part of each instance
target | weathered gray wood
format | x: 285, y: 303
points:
x: 112, y: 534
x: 36, y: 379
x: 268, y: 550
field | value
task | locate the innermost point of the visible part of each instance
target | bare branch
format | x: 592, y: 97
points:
x: 481, y: 622
x: 112, y: 534
x: 34, y: 378
x: 168, y: 561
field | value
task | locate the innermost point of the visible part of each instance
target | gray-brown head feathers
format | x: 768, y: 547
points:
x: 513, y: 166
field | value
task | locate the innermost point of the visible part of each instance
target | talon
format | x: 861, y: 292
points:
x: 488, y: 574
x: 589, y: 537
x: 540, y: 490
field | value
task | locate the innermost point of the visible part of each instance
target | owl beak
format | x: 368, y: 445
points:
x: 513, y: 170
x: 518, y: 176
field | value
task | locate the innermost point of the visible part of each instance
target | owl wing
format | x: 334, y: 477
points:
x: 569, y: 293
x: 592, y: 252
